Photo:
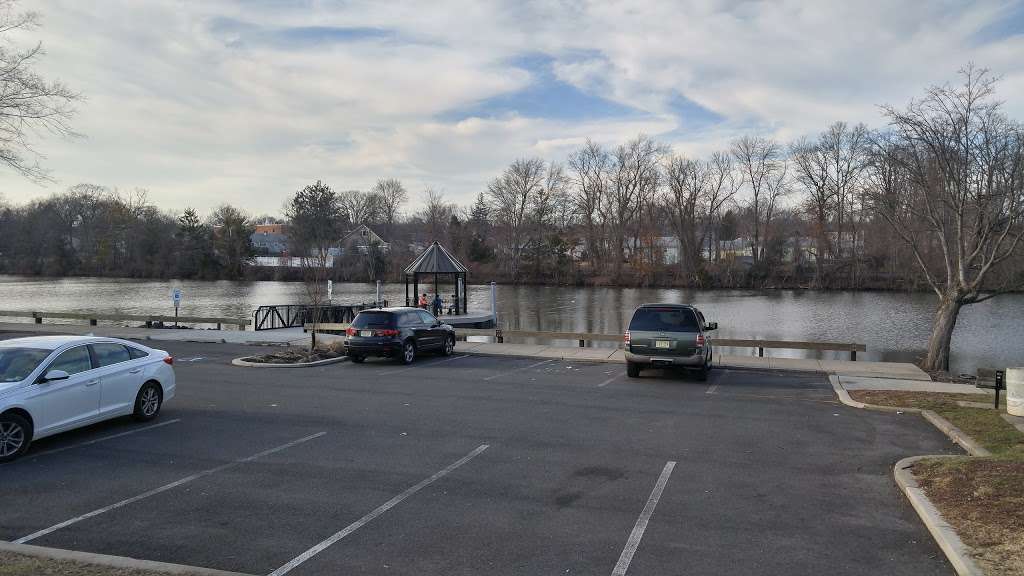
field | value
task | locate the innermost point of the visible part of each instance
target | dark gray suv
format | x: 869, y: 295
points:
x: 668, y: 335
x: 400, y: 333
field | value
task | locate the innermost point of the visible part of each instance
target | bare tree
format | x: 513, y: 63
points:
x: 951, y: 171
x: 590, y: 167
x: 314, y: 228
x: 635, y: 174
x: 391, y: 195
x: 688, y: 183
x: 436, y: 213
x: 723, y: 185
x: 29, y: 104
x: 759, y: 160
x: 513, y: 194
x: 361, y: 207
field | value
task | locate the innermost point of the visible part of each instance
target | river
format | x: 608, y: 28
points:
x: 893, y: 325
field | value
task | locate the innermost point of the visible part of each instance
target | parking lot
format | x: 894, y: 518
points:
x: 480, y: 465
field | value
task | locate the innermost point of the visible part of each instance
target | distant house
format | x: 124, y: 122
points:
x: 270, y: 239
x: 361, y: 241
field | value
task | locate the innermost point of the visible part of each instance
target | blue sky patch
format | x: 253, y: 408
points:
x: 1009, y: 23
x: 545, y: 97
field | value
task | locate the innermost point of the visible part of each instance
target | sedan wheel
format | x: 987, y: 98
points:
x: 147, y: 403
x: 15, y: 436
x: 449, y: 345
x: 408, y: 352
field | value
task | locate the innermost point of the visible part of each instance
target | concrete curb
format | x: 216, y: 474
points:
x: 957, y: 435
x: 945, y: 426
x: 112, y: 561
x: 242, y: 362
x: 958, y: 554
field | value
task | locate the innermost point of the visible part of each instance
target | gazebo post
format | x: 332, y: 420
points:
x: 406, y: 289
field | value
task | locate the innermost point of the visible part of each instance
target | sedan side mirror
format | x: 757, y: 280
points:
x: 55, y: 375
x: 711, y: 326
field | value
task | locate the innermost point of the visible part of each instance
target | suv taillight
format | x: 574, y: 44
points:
x: 700, y: 340
x: 350, y: 331
x: 625, y: 337
x: 386, y: 332
x: 169, y: 360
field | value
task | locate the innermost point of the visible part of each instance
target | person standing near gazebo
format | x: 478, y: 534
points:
x: 438, y: 304
x: 423, y: 300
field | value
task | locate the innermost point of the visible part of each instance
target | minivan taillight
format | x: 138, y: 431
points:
x: 700, y: 340
x: 625, y: 337
x: 169, y: 360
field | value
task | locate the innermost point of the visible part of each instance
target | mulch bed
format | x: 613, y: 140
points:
x: 296, y: 356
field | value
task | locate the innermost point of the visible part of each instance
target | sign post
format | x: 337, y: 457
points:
x: 330, y: 290
x: 176, y: 298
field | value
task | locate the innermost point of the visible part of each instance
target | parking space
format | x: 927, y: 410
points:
x: 473, y: 464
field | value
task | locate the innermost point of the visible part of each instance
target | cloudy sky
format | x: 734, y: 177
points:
x: 205, y: 102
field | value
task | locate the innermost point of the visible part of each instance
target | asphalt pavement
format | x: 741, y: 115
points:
x: 482, y: 465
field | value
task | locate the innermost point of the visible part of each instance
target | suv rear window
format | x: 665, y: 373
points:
x: 373, y: 320
x: 663, y: 320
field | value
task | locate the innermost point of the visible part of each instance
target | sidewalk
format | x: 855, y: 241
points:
x: 884, y: 372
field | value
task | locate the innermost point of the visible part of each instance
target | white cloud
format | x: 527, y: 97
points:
x: 202, y: 113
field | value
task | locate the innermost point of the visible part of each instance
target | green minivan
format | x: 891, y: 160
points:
x: 668, y: 336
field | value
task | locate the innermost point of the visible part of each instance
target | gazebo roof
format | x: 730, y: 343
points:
x: 436, y: 260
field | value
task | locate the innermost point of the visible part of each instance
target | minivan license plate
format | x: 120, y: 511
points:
x: 366, y: 333
x: 662, y: 344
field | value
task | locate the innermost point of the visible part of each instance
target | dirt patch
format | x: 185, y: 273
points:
x: 299, y: 355
x: 983, y: 499
x: 18, y: 565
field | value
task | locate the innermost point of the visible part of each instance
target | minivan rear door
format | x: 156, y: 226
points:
x: 663, y: 331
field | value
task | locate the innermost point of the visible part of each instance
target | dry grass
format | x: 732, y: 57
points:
x: 18, y: 565
x: 982, y: 498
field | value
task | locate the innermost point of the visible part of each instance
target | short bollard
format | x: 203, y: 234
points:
x: 999, y: 384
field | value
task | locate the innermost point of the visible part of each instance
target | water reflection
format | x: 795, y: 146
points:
x: 894, y: 326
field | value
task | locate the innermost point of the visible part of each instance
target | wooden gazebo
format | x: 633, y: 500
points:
x: 436, y: 261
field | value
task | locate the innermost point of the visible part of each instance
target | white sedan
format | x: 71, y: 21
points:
x: 51, y: 384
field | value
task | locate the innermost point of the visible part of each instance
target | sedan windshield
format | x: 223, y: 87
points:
x: 17, y: 363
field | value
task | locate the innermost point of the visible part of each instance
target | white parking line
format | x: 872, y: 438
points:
x: 519, y: 369
x: 442, y: 361
x: 375, y: 513
x: 641, y: 523
x: 164, y: 488
x: 111, y: 437
x: 711, y: 389
x: 610, y: 380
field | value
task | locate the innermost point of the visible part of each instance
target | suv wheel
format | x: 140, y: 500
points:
x: 632, y: 369
x: 408, y: 352
x: 449, y: 346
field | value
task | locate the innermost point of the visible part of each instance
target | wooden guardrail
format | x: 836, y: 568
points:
x: 583, y: 337
x: 148, y: 319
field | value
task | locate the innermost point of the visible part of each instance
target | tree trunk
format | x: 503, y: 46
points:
x: 942, y: 332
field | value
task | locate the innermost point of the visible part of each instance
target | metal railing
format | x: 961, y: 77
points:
x: 297, y: 315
